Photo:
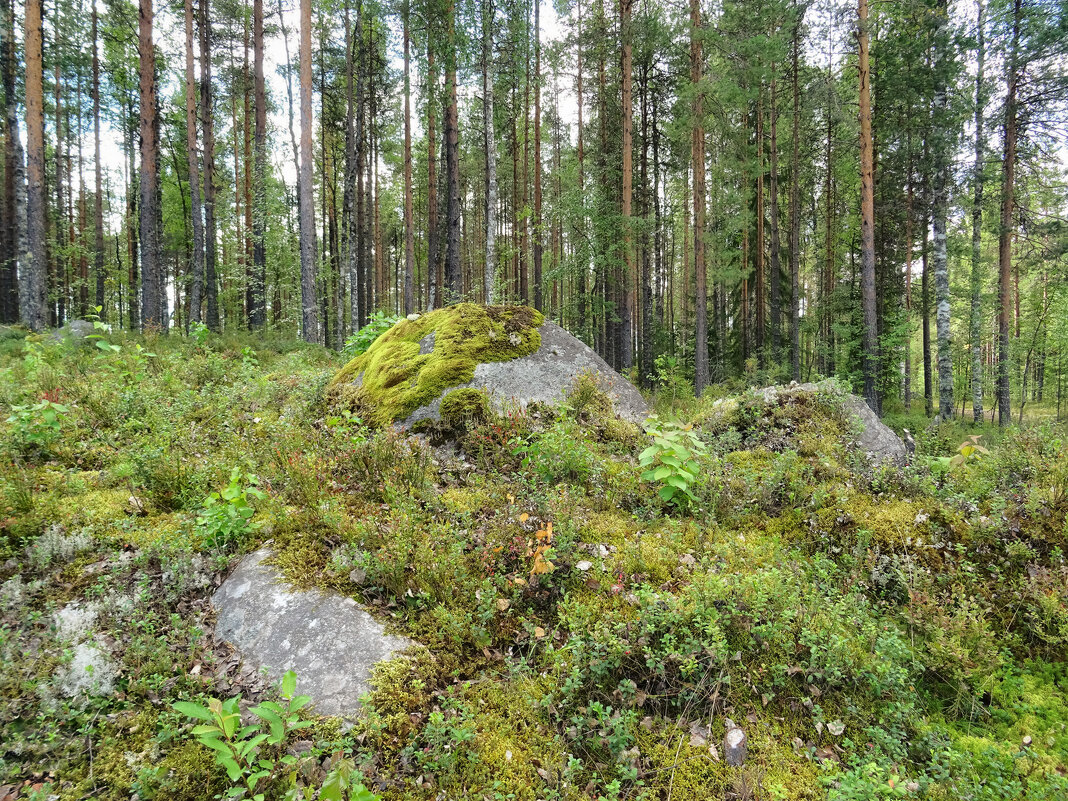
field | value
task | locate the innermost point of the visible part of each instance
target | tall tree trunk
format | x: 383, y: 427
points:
x: 795, y: 207
x: 940, y: 212
x: 909, y: 197
x: 580, y: 222
x: 98, y: 211
x: 247, y: 163
x: 453, y: 275
x: 258, y: 313
x: 32, y: 299
x: 867, y: 216
x: 538, y: 302
x: 977, y: 227
x: 207, y: 126
x: 12, y: 213
x: 309, y: 302
x: 432, y: 183
x: 132, y: 218
x: 773, y: 192
x: 646, y: 316
x: 627, y: 315
x: 56, y: 292
x: 196, y: 290
x: 760, y: 283
x: 409, y: 222
x: 151, y: 285
x: 1008, y: 179
x: 489, y: 276
x: 697, y: 158
x: 349, y: 201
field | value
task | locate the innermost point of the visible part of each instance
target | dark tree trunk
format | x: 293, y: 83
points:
x: 1008, y: 178
x: 867, y: 217
x: 697, y: 157
x: 151, y: 285
x: 309, y: 302
x: 211, y: 295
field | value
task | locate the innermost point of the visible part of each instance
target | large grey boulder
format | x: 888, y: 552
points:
x: 546, y: 376
x: 327, y: 639
x: 873, y: 437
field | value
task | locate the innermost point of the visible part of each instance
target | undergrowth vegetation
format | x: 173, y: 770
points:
x: 584, y: 633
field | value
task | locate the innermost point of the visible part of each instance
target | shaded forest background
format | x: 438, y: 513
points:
x: 704, y: 192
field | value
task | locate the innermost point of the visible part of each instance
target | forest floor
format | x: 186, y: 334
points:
x: 876, y: 633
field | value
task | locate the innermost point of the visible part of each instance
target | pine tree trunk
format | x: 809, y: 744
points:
x: 349, y: 199
x: 538, y: 301
x: 977, y: 228
x: 627, y: 310
x: 14, y: 226
x: 773, y: 192
x: 98, y: 210
x: 409, y: 222
x: 309, y: 302
x: 489, y: 276
x: 151, y: 285
x: 211, y: 295
x: 432, y: 184
x: 697, y: 157
x: 795, y: 209
x: 1008, y: 177
x: 760, y: 282
x: 258, y: 312
x: 867, y: 216
x: 453, y: 275
x: 196, y: 290
x: 32, y: 299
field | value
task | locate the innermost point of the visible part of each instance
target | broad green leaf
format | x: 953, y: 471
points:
x: 192, y: 710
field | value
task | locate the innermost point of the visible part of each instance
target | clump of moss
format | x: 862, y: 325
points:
x: 464, y: 407
x: 417, y: 360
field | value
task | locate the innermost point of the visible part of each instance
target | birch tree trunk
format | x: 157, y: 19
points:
x: 940, y: 211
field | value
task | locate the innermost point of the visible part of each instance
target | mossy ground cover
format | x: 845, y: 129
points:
x: 877, y: 634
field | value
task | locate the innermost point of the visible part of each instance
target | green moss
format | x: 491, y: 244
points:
x: 397, y: 379
x: 463, y: 407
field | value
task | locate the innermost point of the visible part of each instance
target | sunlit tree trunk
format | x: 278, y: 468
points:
x: 309, y: 302
x: 867, y: 216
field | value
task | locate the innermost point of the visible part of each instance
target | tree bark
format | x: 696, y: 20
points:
x: 98, y: 211
x: 207, y: 127
x: 309, y: 301
x: 697, y: 157
x: 867, y: 215
x: 795, y: 208
x: 760, y: 282
x: 12, y: 213
x: 977, y: 228
x: 940, y: 212
x: 409, y: 223
x: 196, y: 290
x: 258, y: 313
x: 32, y: 299
x: 151, y: 285
x: 627, y: 311
x: 538, y: 301
x: 775, y: 266
x: 453, y: 274
x: 1008, y: 177
x: 432, y: 182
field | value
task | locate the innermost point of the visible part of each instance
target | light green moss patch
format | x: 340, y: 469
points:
x: 397, y: 379
x: 464, y: 407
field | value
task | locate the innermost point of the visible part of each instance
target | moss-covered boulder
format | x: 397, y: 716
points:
x: 511, y: 354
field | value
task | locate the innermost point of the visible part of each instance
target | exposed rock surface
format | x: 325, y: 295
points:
x: 327, y: 639
x: 511, y: 353
x: 545, y: 377
x: 875, y: 439
x: 735, y: 745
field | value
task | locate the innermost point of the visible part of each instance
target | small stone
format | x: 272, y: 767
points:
x: 735, y: 745
x: 836, y: 727
x: 358, y: 576
x: 584, y: 565
x: 1027, y: 741
x: 503, y: 604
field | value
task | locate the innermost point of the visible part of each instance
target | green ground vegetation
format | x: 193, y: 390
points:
x: 877, y: 633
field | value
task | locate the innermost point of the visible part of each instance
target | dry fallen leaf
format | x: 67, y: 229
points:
x: 539, y: 632
x: 503, y: 603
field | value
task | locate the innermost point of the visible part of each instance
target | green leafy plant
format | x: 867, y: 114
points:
x: 226, y: 516
x: 199, y: 333
x: 36, y: 426
x: 358, y: 343
x: 672, y: 459
x: 252, y: 755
